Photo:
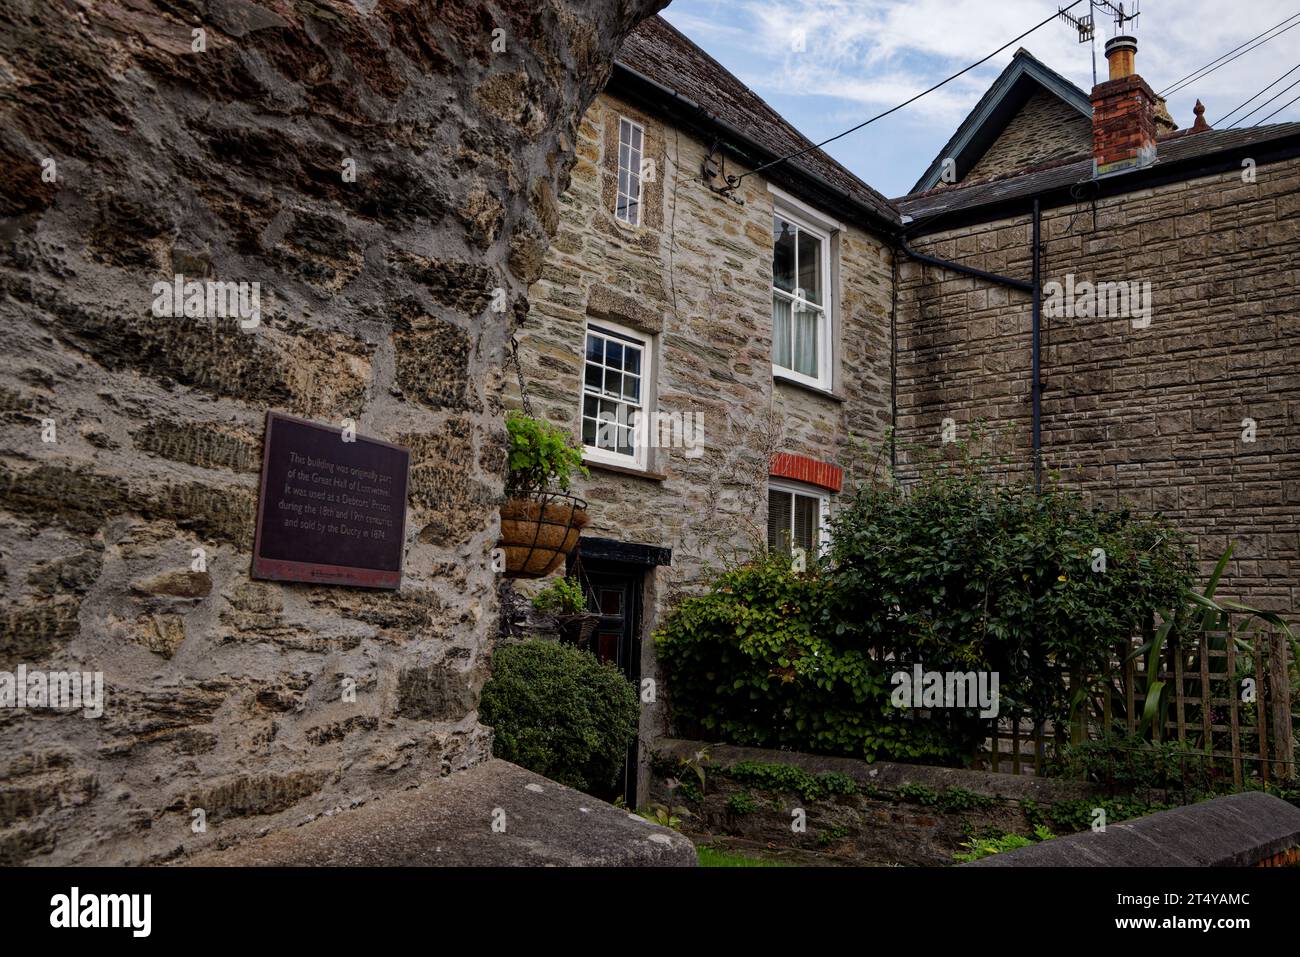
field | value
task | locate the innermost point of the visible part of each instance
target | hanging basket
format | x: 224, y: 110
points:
x: 577, y: 629
x: 539, y: 530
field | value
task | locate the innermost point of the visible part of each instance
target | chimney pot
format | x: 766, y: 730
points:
x: 1120, y: 54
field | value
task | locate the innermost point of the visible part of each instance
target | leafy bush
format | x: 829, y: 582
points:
x: 559, y: 711
x: 955, y: 574
x: 742, y: 802
x: 754, y: 662
x: 563, y: 597
x: 960, y: 573
x: 541, y: 456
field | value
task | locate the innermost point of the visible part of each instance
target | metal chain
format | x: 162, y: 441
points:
x: 519, y: 371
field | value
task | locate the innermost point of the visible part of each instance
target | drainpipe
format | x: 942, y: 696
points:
x: 1037, y: 381
x: 1035, y: 290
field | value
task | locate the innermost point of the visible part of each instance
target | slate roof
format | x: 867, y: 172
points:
x: 660, y: 52
x: 999, y: 104
x: 1172, y: 150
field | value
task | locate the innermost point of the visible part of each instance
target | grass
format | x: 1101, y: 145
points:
x: 713, y: 857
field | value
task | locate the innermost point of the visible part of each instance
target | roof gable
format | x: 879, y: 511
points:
x: 1024, y: 77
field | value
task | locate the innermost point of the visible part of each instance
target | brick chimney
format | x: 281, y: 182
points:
x: 1123, y: 115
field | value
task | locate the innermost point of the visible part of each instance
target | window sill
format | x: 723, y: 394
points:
x: 814, y: 389
x: 624, y: 470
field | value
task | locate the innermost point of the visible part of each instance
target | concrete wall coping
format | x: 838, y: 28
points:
x: 1238, y: 830
x: 447, y: 822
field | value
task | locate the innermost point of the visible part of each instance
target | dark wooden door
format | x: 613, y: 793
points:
x: 614, y: 593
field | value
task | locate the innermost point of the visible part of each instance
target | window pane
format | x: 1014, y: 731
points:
x: 636, y: 138
x: 633, y: 212
x: 613, y: 354
x: 807, y: 519
x: 778, y: 520
x: 625, y: 442
x: 781, y: 331
x: 632, y: 388
x: 783, y: 254
x: 632, y: 359
x: 805, y: 341
x: 595, y: 348
x: 592, y: 379
x: 613, y: 383
x: 588, y: 431
x: 590, y: 406
x: 810, y: 267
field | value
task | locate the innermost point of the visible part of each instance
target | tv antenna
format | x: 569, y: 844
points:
x: 1086, y: 25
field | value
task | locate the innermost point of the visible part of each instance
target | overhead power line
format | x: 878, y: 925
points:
x: 1260, y: 93
x: 895, y: 109
x: 1198, y: 76
x: 1276, y: 112
x: 1272, y: 99
x: 1233, y: 50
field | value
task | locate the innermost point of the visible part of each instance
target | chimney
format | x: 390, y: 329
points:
x: 1123, y: 115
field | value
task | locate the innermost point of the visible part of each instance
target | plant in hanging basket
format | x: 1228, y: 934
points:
x: 566, y: 602
x: 540, y: 521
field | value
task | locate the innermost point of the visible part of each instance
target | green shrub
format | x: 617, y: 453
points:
x: 541, y: 456
x: 559, y: 711
x: 755, y: 662
x: 955, y: 574
x: 960, y: 573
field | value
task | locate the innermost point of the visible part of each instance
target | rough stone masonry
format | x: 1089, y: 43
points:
x: 379, y: 168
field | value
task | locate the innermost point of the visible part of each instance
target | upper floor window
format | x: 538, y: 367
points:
x: 627, y: 206
x: 797, y: 517
x: 801, y: 300
x: 614, y: 395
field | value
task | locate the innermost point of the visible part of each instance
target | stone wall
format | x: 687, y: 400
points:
x: 697, y: 275
x: 1152, y: 416
x: 213, y: 139
x: 1046, y: 128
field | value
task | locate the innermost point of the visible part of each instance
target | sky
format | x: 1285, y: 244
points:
x: 827, y: 65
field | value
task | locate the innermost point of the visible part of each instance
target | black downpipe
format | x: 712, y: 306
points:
x: 1035, y: 289
x: 1037, y: 382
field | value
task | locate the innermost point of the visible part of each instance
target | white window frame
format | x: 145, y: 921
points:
x: 823, y: 497
x: 633, y: 171
x: 640, y: 445
x: 807, y: 219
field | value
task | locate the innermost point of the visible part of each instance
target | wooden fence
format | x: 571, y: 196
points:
x: 1228, y: 703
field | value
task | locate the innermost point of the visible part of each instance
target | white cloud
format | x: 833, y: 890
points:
x: 863, y: 56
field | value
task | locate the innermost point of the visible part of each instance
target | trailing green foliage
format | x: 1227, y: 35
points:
x: 564, y: 596
x: 542, y: 457
x: 1077, y: 815
x: 788, y: 777
x: 742, y: 802
x: 559, y: 711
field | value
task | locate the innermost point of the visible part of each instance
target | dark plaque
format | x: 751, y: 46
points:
x: 330, y: 511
